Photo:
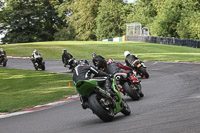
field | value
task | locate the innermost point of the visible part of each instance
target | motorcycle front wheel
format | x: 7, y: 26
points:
x: 4, y: 63
x: 36, y: 68
x: 138, y: 85
x: 104, y: 113
x: 143, y: 73
x: 131, y: 91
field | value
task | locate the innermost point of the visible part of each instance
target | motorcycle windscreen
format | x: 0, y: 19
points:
x: 86, y: 87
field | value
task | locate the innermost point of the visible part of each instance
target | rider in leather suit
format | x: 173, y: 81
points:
x: 83, y: 71
x: 66, y: 57
x: 129, y: 59
x: 99, y: 61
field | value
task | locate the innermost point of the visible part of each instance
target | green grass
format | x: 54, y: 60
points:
x: 21, y: 88
x: 84, y: 49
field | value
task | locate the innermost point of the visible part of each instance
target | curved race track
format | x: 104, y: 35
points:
x: 171, y: 105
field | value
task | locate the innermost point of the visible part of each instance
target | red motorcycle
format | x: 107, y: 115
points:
x: 129, y: 85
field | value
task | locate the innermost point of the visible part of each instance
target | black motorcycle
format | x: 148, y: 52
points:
x: 140, y: 69
x: 38, y: 63
x: 3, y: 60
x: 129, y: 85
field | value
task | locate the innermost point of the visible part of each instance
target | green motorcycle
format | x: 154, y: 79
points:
x: 101, y: 102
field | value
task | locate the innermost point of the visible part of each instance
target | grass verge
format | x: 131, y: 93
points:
x: 21, y: 88
x: 84, y: 49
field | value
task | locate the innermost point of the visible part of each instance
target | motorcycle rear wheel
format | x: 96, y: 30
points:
x: 103, y: 113
x: 36, y: 68
x: 131, y: 92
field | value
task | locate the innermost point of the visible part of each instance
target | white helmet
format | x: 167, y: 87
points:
x: 126, y: 53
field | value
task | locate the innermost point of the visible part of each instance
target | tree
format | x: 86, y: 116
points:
x: 65, y: 34
x: 111, y: 19
x: 82, y: 17
x: 19, y: 20
x: 1, y: 14
x: 65, y: 31
x: 175, y: 18
x: 189, y: 25
x: 142, y: 11
x: 28, y: 21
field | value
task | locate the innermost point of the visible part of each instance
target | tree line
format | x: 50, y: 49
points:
x: 47, y: 20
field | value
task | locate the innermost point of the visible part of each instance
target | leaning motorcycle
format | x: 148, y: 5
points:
x: 101, y: 102
x: 140, y: 68
x: 38, y: 63
x: 3, y: 60
x: 129, y: 85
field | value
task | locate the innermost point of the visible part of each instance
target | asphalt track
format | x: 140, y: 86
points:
x: 171, y: 105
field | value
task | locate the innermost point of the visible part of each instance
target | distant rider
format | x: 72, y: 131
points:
x: 36, y: 57
x: 66, y: 57
x: 83, y: 71
x: 99, y: 61
x: 2, y: 52
x: 129, y: 59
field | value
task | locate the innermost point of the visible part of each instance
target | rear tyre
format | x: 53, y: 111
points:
x: 126, y: 110
x: 105, y: 114
x: 131, y: 91
x: 4, y: 64
x: 143, y: 72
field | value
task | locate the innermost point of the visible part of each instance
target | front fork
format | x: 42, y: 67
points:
x: 118, y: 103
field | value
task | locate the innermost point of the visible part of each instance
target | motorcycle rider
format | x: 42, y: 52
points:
x: 66, y: 57
x: 2, y: 54
x: 83, y: 71
x: 129, y: 59
x: 36, y: 56
x: 117, y: 67
x: 99, y: 61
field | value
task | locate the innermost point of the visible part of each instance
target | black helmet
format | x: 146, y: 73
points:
x: 83, y: 62
x: 94, y: 54
x: 64, y: 50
